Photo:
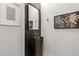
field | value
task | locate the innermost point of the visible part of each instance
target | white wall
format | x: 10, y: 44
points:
x: 59, y: 42
x: 12, y: 37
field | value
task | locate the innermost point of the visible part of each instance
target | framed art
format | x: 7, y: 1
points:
x: 33, y: 17
x: 69, y: 20
x: 30, y: 25
x: 10, y: 14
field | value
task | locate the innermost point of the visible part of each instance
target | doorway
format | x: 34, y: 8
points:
x: 30, y: 34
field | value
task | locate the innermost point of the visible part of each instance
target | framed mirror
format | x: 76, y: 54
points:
x: 33, y: 17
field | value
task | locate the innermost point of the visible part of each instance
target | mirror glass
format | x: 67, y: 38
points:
x: 33, y: 17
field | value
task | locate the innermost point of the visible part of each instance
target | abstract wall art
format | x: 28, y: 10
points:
x: 10, y: 14
x: 69, y: 20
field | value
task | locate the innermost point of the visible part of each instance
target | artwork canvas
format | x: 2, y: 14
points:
x: 69, y: 20
x: 10, y: 14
